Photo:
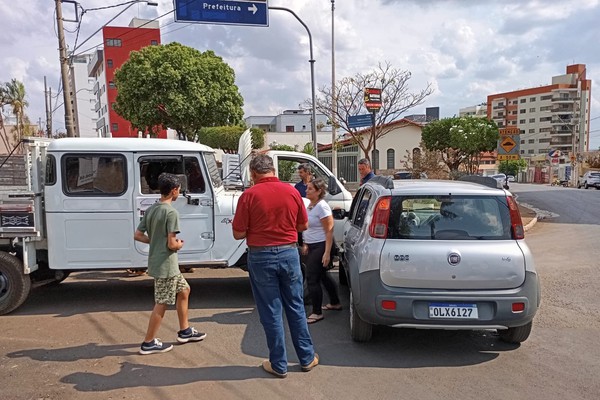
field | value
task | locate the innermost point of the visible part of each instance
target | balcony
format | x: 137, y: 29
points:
x: 565, y: 99
x: 561, y: 141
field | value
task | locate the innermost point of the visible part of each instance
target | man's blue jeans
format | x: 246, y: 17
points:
x: 276, y: 280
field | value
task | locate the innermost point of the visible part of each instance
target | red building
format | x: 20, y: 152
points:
x: 119, y: 42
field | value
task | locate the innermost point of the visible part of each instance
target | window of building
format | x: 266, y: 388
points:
x: 532, y: 130
x: 544, y: 140
x: 111, y: 85
x: 522, y: 100
x: 114, y: 127
x: 531, y: 120
x: 531, y: 141
x: 109, y: 63
x: 548, y: 129
x: 545, y: 108
x: 289, y: 128
x: 521, y: 121
x: 113, y: 42
x: 530, y: 151
x: 375, y: 159
x: 522, y: 111
x: 522, y: 151
x: 391, y: 159
x: 545, y: 119
x: 532, y: 99
x: 513, y: 112
x: 153, y: 42
x: 532, y: 109
x: 547, y: 97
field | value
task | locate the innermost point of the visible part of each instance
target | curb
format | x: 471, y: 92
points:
x: 531, y: 223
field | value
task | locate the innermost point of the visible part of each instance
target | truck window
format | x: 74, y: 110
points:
x: 287, y: 169
x: 50, y: 170
x: 193, y: 173
x: 97, y: 175
x: 152, y: 166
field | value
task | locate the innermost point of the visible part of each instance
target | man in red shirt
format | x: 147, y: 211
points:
x: 269, y: 216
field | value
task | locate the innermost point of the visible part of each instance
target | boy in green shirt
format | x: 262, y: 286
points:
x: 159, y: 228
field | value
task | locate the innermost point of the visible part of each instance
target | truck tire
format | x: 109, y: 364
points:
x: 14, y: 284
x: 517, y: 334
x: 360, y: 331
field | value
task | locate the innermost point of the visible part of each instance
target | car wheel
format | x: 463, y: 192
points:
x: 14, y: 284
x: 516, y: 334
x: 360, y: 330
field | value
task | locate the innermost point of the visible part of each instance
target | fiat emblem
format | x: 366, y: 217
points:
x: 454, y: 259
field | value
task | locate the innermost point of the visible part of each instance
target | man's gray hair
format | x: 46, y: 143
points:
x: 262, y: 164
x: 364, y: 161
x: 305, y: 167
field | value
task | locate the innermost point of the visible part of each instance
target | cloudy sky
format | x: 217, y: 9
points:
x: 467, y: 49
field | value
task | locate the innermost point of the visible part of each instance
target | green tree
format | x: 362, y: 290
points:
x: 227, y: 137
x: 350, y: 101
x: 512, y: 167
x: 13, y: 94
x: 178, y: 87
x: 461, y: 141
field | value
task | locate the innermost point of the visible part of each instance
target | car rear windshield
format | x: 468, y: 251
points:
x: 449, y: 218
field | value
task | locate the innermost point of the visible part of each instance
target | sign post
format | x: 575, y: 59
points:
x: 373, y: 104
x: 226, y: 12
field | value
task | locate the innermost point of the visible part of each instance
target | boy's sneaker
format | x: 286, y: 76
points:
x: 155, y: 346
x: 190, y: 335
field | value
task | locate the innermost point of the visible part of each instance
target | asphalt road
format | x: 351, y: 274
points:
x: 79, y: 340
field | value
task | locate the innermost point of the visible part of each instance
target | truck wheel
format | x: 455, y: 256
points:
x: 517, y: 334
x: 360, y: 330
x: 14, y: 284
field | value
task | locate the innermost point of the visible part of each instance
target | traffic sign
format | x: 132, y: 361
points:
x: 504, y: 157
x: 507, y: 144
x: 513, y: 130
x: 357, y: 121
x: 373, y: 99
x: 226, y: 12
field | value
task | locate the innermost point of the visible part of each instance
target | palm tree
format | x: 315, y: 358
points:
x: 15, y: 96
x: 3, y: 102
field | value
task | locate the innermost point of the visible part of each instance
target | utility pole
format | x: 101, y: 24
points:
x: 47, y: 100
x: 333, y: 96
x: 64, y: 70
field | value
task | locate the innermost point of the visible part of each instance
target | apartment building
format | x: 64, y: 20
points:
x: 479, y: 111
x: 118, y: 43
x: 551, y: 117
x: 82, y: 95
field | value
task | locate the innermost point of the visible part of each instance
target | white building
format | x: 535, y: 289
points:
x: 474, y: 111
x: 82, y: 94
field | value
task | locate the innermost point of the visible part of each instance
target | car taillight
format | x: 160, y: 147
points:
x: 379, y: 223
x: 515, y: 219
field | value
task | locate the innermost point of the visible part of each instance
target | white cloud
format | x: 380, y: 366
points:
x: 465, y: 49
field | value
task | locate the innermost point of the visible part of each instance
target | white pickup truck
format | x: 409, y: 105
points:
x: 84, y: 198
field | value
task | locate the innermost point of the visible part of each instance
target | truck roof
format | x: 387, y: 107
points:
x: 125, y: 144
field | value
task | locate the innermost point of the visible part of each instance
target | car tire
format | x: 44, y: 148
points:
x: 360, y: 331
x: 14, y: 284
x: 516, y: 334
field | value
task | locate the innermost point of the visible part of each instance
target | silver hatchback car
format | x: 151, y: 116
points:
x: 438, y: 255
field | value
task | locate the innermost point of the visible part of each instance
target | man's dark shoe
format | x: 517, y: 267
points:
x: 314, y: 363
x: 155, y: 346
x: 266, y: 365
x: 190, y: 335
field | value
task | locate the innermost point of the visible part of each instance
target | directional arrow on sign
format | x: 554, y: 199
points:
x: 254, y: 9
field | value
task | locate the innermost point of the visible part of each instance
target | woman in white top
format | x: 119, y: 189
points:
x: 318, y: 241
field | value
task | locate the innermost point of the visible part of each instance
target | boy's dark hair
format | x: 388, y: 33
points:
x: 167, y: 182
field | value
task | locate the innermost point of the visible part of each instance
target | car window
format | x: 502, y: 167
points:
x: 361, y: 208
x: 449, y: 218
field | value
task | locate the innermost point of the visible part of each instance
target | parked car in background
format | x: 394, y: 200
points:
x: 502, y: 179
x: 437, y: 255
x: 409, y: 175
x: 589, y: 179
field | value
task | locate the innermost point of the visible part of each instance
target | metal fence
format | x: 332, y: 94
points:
x: 347, y: 162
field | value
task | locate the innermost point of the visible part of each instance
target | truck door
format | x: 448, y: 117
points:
x: 195, y: 204
x: 88, y: 211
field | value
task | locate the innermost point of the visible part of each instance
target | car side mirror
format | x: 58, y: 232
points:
x: 333, y: 186
x: 339, y: 213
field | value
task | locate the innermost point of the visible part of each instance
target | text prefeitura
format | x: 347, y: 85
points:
x: 221, y: 7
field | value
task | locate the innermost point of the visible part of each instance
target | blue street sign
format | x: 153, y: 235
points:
x: 356, y: 121
x: 226, y: 12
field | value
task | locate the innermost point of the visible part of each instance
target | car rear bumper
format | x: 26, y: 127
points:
x: 409, y: 308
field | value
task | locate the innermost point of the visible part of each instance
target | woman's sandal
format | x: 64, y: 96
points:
x: 331, y: 307
x: 313, y: 318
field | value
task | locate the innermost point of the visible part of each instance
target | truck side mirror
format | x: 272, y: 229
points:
x: 333, y: 186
